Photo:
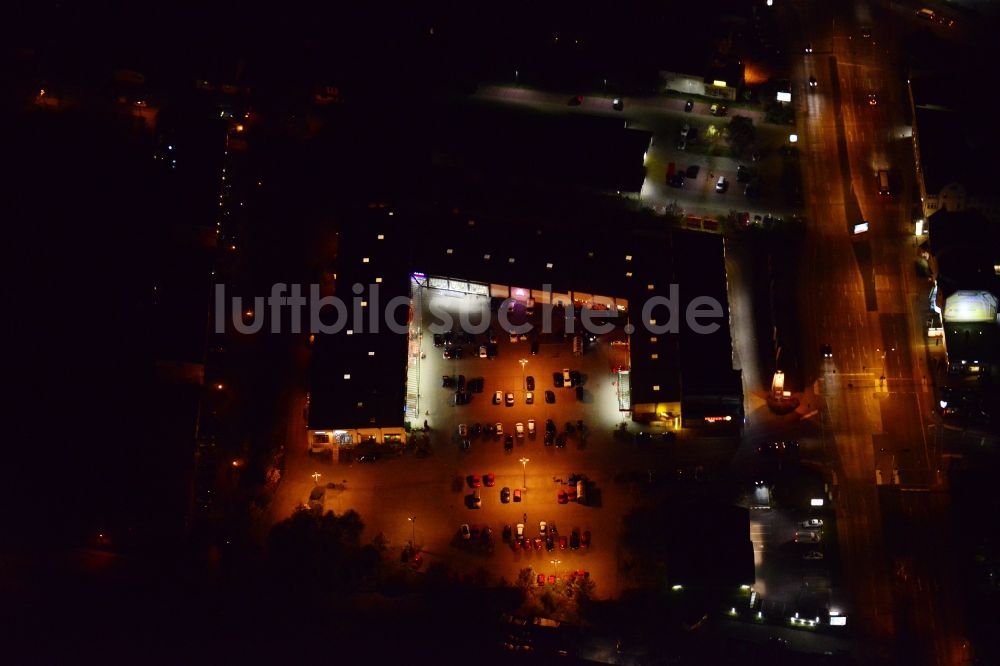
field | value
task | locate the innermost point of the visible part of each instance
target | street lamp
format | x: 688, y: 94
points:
x: 413, y: 534
x: 315, y: 476
x: 524, y: 466
x: 523, y: 363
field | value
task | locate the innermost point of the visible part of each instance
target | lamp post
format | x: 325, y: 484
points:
x: 524, y: 466
x: 413, y: 533
x: 523, y: 363
x: 316, y: 476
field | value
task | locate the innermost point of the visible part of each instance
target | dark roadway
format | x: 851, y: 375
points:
x: 862, y: 297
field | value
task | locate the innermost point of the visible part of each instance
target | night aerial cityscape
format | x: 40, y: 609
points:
x: 458, y: 333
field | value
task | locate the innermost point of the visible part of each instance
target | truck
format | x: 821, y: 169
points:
x: 883, y: 182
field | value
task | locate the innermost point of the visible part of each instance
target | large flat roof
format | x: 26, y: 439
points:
x: 630, y: 258
x: 509, y: 144
x: 953, y: 147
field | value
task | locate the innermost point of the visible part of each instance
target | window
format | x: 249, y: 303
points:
x: 548, y: 265
x: 510, y: 260
x: 350, y: 332
x: 628, y: 274
x: 371, y: 353
x: 652, y: 322
x: 650, y: 287
x: 381, y: 236
x: 654, y: 356
x: 364, y: 260
x: 656, y: 387
x: 378, y: 280
x: 652, y: 338
x: 486, y: 257
x: 449, y: 251
x: 347, y: 376
x: 628, y: 257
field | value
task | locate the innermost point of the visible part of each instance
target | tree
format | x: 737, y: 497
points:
x: 740, y: 134
x: 314, y: 555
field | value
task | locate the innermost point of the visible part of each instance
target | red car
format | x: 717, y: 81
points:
x: 541, y: 579
x: 562, y: 542
x: 539, y: 544
x: 571, y: 492
x: 552, y: 579
x: 516, y: 544
x: 489, y: 479
x: 474, y: 481
x: 585, y: 539
x: 517, y: 494
x: 561, y: 496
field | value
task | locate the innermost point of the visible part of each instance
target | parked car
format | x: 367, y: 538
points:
x: 531, y: 427
x: 567, y: 379
x: 718, y: 110
x: 813, y: 555
x: 812, y: 523
x: 517, y: 496
x: 585, y: 539
x: 509, y: 399
x: 519, y: 429
x: 465, y: 532
x: 506, y: 533
x: 557, y: 379
x: 550, y: 397
x: 529, y: 382
x: 508, y: 443
x: 561, y: 496
x: 489, y: 479
x: 529, y: 398
x: 482, y: 351
x: 498, y: 428
x: 574, y: 539
x: 542, y: 527
x: 563, y: 542
x: 808, y: 537
x: 688, y: 106
x: 549, y: 438
x: 721, y: 185
x: 474, y: 481
x: 497, y: 397
x: 505, y: 495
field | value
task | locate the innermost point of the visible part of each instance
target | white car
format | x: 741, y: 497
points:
x: 542, y: 527
x: 463, y: 430
x: 482, y: 351
x: 807, y: 537
x: 812, y: 523
x: 509, y: 399
x: 519, y: 429
x: 466, y: 533
x: 685, y: 130
x: 499, y: 428
x: 498, y: 397
x: 531, y: 426
x: 721, y: 185
x: 567, y: 379
x: 520, y: 530
x: 813, y: 555
x: 529, y: 398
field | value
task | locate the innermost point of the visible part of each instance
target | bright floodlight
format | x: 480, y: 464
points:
x: 793, y: 138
